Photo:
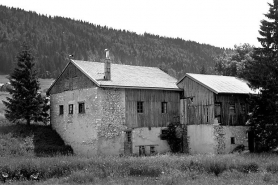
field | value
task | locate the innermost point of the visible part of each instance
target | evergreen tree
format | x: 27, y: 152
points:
x: 26, y: 103
x: 262, y: 73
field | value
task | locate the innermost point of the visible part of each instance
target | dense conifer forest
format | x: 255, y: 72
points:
x: 55, y: 38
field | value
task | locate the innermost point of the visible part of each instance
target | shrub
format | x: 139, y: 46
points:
x: 273, y: 168
x: 215, y: 167
x: 248, y: 167
x: 145, y: 171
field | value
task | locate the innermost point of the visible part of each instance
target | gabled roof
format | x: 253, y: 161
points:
x: 127, y: 76
x: 221, y: 84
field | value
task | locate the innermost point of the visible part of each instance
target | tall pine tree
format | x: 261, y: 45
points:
x: 262, y: 73
x: 26, y: 103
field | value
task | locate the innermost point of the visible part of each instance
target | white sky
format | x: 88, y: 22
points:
x: 222, y: 23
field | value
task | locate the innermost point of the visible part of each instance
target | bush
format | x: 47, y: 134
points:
x: 248, y: 167
x: 273, y: 168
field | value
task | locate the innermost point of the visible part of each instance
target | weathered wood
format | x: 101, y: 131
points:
x: 200, y: 102
x: 201, y: 109
x: 240, y: 101
x: 72, y: 78
x: 152, y: 115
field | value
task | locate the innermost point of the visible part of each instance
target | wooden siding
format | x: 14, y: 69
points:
x: 72, y: 78
x: 240, y: 116
x: 201, y: 109
x: 151, y: 116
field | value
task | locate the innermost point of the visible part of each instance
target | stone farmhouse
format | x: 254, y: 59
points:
x: 104, y: 108
x: 215, y: 111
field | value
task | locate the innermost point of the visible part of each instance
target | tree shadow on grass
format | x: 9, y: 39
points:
x: 46, y: 141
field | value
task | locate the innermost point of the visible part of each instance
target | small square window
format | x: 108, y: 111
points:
x: 163, y: 107
x: 140, y: 108
x: 70, y: 108
x: 81, y: 108
x: 61, y: 109
x: 233, y: 141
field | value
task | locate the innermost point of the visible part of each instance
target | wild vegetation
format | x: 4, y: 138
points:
x: 54, y: 38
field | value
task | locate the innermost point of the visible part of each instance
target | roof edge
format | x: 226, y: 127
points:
x: 132, y: 87
x: 197, y: 81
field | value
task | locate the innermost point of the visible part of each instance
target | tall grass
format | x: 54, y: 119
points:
x: 161, y: 166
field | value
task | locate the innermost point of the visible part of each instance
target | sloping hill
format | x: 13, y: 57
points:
x: 54, y: 38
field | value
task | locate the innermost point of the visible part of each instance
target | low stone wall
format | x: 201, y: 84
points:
x: 216, y: 139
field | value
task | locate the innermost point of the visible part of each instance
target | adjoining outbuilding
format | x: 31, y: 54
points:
x: 214, y: 109
x: 106, y: 108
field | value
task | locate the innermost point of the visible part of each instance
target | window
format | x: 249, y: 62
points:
x: 232, y: 109
x: 70, y: 108
x: 128, y: 136
x: 163, y: 107
x: 142, y: 150
x: 233, y: 141
x: 217, y: 111
x: 61, y: 109
x: 152, y: 149
x: 232, y: 113
x: 140, y: 107
x: 81, y: 107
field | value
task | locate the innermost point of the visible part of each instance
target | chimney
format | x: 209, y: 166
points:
x: 107, y: 66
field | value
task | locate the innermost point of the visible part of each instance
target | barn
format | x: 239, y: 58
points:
x: 214, y: 109
x: 106, y: 108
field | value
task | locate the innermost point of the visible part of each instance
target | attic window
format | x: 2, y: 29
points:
x: 140, y: 108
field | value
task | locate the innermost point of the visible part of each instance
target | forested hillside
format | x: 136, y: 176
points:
x: 54, y: 38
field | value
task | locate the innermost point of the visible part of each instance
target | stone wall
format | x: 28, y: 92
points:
x: 111, y: 130
x: 148, y: 137
x: 216, y: 139
x: 100, y: 130
x: 224, y: 134
x: 78, y: 130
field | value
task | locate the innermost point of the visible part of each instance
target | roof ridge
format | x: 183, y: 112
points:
x: 119, y: 64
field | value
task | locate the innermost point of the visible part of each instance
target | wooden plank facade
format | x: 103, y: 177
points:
x: 152, y: 115
x: 71, y: 78
x: 203, y: 105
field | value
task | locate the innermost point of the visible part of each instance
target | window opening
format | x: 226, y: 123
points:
x: 140, y: 107
x: 142, y: 150
x: 152, y: 149
x: 70, y: 108
x: 217, y: 111
x: 61, y: 109
x: 128, y: 136
x: 81, y: 107
x: 233, y: 141
x: 163, y: 107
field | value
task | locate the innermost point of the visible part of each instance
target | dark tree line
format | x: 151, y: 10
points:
x: 54, y: 38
